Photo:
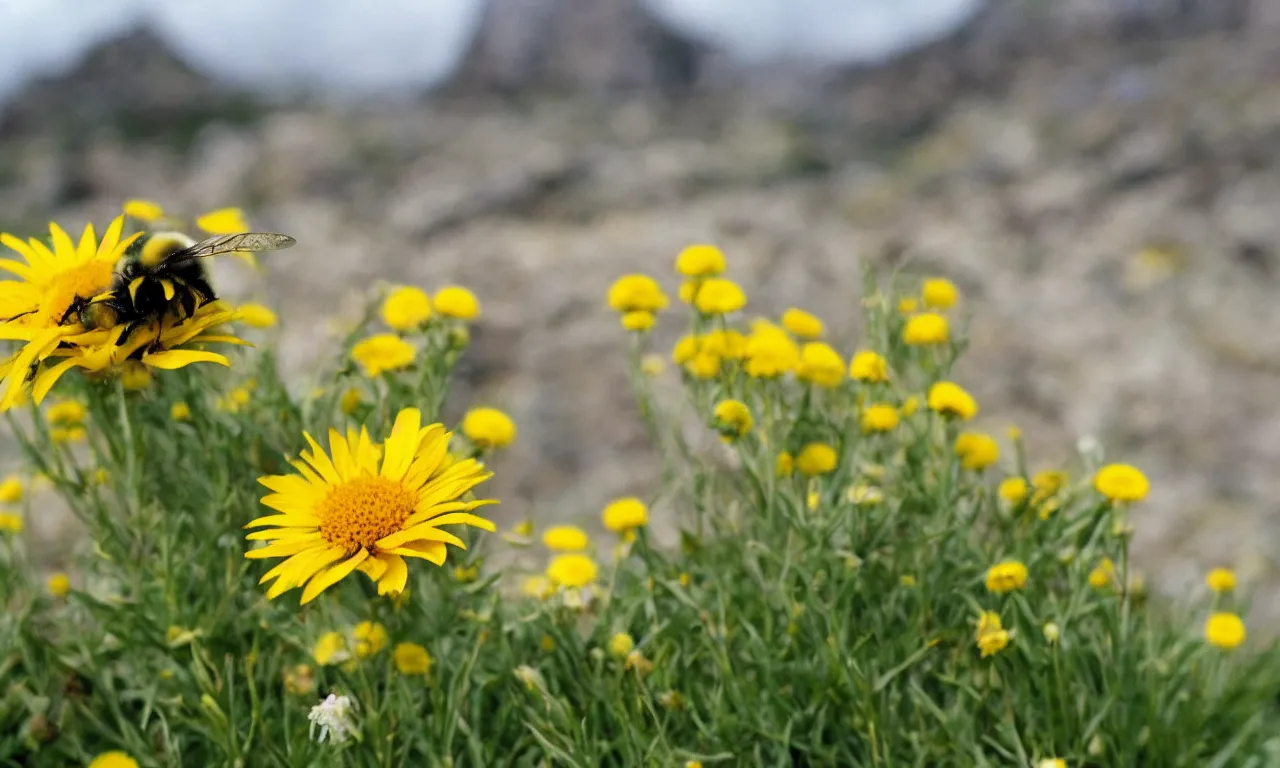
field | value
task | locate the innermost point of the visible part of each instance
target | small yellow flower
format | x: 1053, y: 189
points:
x: 67, y: 413
x: 1103, y: 574
x: 101, y: 476
x: 727, y: 344
x: 406, y: 308
x: 785, y: 464
x: 621, y: 644
x: 704, y: 365
x: 990, y: 636
x: 688, y: 291
x: 411, y: 659
x: 910, y: 406
x: 1121, y: 482
x: 1051, y: 632
x: 68, y: 435
x: 625, y: 514
x: 300, y: 680
x: 939, y: 293
x: 733, y: 418
x: 821, y: 365
x: 639, y: 320
x: 880, y: 417
x: 1221, y: 580
x: 816, y: 459
x: 652, y: 365
x: 692, y: 764
x: 547, y: 643
x: 456, y: 302
x: 256, y: 315
x: 466, y: 574
x: 135, y: 376
x: 637, y: 661
x: 1047, y: 482
x: 1052, y: 762
x: 770, y: 352
x: 224, y: 221
x: 869, y: 366
x: 718, y: 296
x: 685, y: 578
x: 10, y: 523
x: 950, y: 399
x: 1013, y: 490
x: 802, y: 324
x: 113, y: 760
x: 908, y: 305
x: 907, y: 580
x: 180, y: 411
x: 977, y: 450
x: 572, y: 570
x: 1006, y: 577
x: 565, y: 538
x: 700, y: 260
x: 350, y: 400
x: 686, y: 347
x: 636, y: 293
x: 926, y: 328
x: 864, y: 495
x: 537, y: 586
x: 143, y: 210
x: 383, y: 352
x: 674, y: 700
x: 523, y: 529
x: 1225, y: 631
x: 59, y: 585
x: 489, y: 428
x: 330, y: 648
x: 11, y: 490
x: 370, y: 638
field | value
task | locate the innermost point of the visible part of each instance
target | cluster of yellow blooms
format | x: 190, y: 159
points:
x: 572, y: 571
x: 793, y: 348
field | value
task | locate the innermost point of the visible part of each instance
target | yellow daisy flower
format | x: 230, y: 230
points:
x: 102, y: 352
x: 39, y: 307
x: 358, y: 511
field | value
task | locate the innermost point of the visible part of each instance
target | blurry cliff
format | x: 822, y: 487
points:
x: 1099, y: 177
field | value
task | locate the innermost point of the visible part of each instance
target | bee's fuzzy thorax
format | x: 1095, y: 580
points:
x: 160, y: 245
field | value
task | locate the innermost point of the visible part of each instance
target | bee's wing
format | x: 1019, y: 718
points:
x: 244, y: 241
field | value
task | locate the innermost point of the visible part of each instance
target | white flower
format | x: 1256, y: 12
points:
x: 335, y: 717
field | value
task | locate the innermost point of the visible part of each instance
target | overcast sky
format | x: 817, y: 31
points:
x: 345, y: 45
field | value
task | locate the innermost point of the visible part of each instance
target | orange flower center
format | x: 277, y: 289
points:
x: 83, y: 280
x: 359, y: 512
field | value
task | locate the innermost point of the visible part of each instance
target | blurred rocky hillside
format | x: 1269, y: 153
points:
x: 1106, y: 199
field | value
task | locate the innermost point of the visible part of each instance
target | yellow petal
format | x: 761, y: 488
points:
x: 277, y: 549
x: 88, y: 244
x: 434, y: 551
x: 23, y: 271
x: 322, y: 581
x: 320, y: 460
x: 224, y: 221
x: 111, y: 238
x: 375, y: 566
x: 341, y: 454
x: 463, y: 518
x: 285, y: 521
x: 172, y: 359
x: 48, y: 377
x: 143, y: 210
x: 397, y: 575
x: 13, y: 243
x: 419, y: 533
x: 300, y: 562
x: 303, y: 570
x: 402, y: 444
x: 63, y: 248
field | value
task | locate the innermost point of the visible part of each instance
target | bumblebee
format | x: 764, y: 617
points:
x: 162, y: 276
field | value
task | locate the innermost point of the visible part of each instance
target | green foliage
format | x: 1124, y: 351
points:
x: 827, y: 620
